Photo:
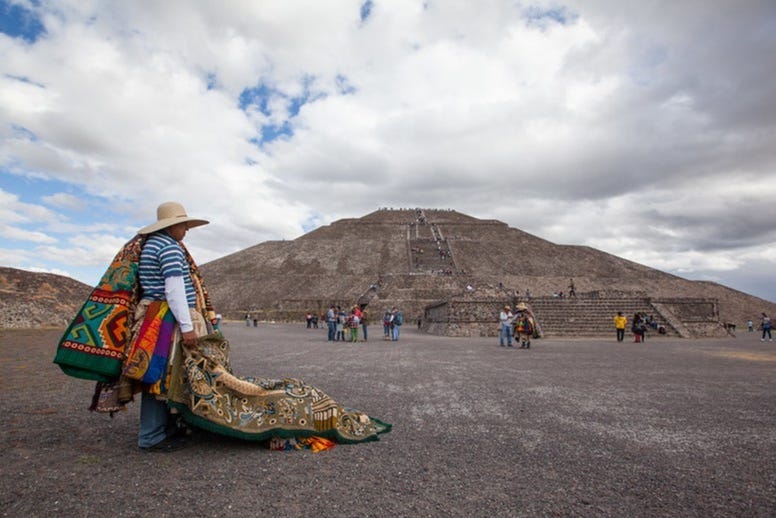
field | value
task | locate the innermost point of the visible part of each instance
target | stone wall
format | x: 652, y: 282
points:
x: 586, y: 315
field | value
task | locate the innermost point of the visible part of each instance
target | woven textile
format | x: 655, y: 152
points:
x: 259, y: 408
x: 93, y: 345
x: 147, y: 357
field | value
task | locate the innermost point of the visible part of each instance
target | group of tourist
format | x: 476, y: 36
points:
x: 248, y: 320
x: 393, y: 319
x: 344, y: 325
x: 520, y: 325
x: 641, y: 323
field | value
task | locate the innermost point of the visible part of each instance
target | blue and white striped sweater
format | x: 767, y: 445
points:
x: 163, y: 257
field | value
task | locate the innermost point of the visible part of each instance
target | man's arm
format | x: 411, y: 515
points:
x: 175, y: 293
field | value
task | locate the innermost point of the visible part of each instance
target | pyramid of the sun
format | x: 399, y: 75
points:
x: 416, y: 259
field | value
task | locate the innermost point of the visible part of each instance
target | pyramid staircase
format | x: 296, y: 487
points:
x: 593, y: 316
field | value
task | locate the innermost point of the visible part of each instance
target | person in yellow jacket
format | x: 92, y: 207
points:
x: 620, y: 321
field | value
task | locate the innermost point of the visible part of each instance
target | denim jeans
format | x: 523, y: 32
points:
x: 506, y: 333
x: 395, y: 332
x: 154, y: 421
x: 332, y: 330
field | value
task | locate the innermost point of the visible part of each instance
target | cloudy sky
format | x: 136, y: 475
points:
x: 646, y: 129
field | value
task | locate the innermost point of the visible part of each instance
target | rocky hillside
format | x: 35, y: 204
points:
x: 30, y: 299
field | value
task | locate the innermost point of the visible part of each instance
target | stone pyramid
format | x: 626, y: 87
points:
x: 413, y: 258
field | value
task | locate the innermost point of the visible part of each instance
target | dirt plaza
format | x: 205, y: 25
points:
x: 586, y: 427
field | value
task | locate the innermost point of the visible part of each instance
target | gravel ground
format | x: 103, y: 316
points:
x: 570, y: 427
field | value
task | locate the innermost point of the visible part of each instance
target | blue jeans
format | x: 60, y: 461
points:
x: 395, y: 332
x: 506, y: 332
x: 332, y: 330
x: 363, y: 330
x: 154, y: 421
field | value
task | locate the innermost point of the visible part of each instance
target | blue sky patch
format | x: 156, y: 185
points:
x: 19, y: 22
x: 261, y: 96
x: 23, y: 133
x: 543, y: 18
x: 211, y: 81
x: 344, y: 86
x: 366, y: 10
x: 257, y: 96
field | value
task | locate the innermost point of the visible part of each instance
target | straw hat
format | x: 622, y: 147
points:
x: 168, y: 214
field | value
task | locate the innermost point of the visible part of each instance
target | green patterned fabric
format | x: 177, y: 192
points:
x: 259, y: 408
x: 93, y: 345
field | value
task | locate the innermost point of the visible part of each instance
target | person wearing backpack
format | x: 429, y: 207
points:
x: 396, y: 323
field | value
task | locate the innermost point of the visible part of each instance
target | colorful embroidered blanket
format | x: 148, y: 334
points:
x: 259, y: 409
x: 147, y: 357
x: 93, y: 345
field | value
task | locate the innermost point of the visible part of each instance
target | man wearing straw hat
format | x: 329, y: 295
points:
x: 170, y: 286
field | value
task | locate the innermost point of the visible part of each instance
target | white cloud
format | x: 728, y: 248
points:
x: 64, y: 200
x: 18, y: 234
x: 599, y: 124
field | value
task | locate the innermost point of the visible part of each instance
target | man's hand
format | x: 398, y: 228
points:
x: 189, y: 338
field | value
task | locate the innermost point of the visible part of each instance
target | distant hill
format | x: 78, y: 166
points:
x: 413, y: 257
x: 31, y: 299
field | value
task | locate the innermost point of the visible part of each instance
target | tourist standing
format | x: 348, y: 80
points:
x: 396, y: 323
x: 505, y: 334
x: 354, y: 321
x: 765, y: 324
x: 639, y: 328
x: 620, y: 321
x: 364, y: 324
x: 331, y: 322
x: 341, y: 318
x: 387, y: 319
